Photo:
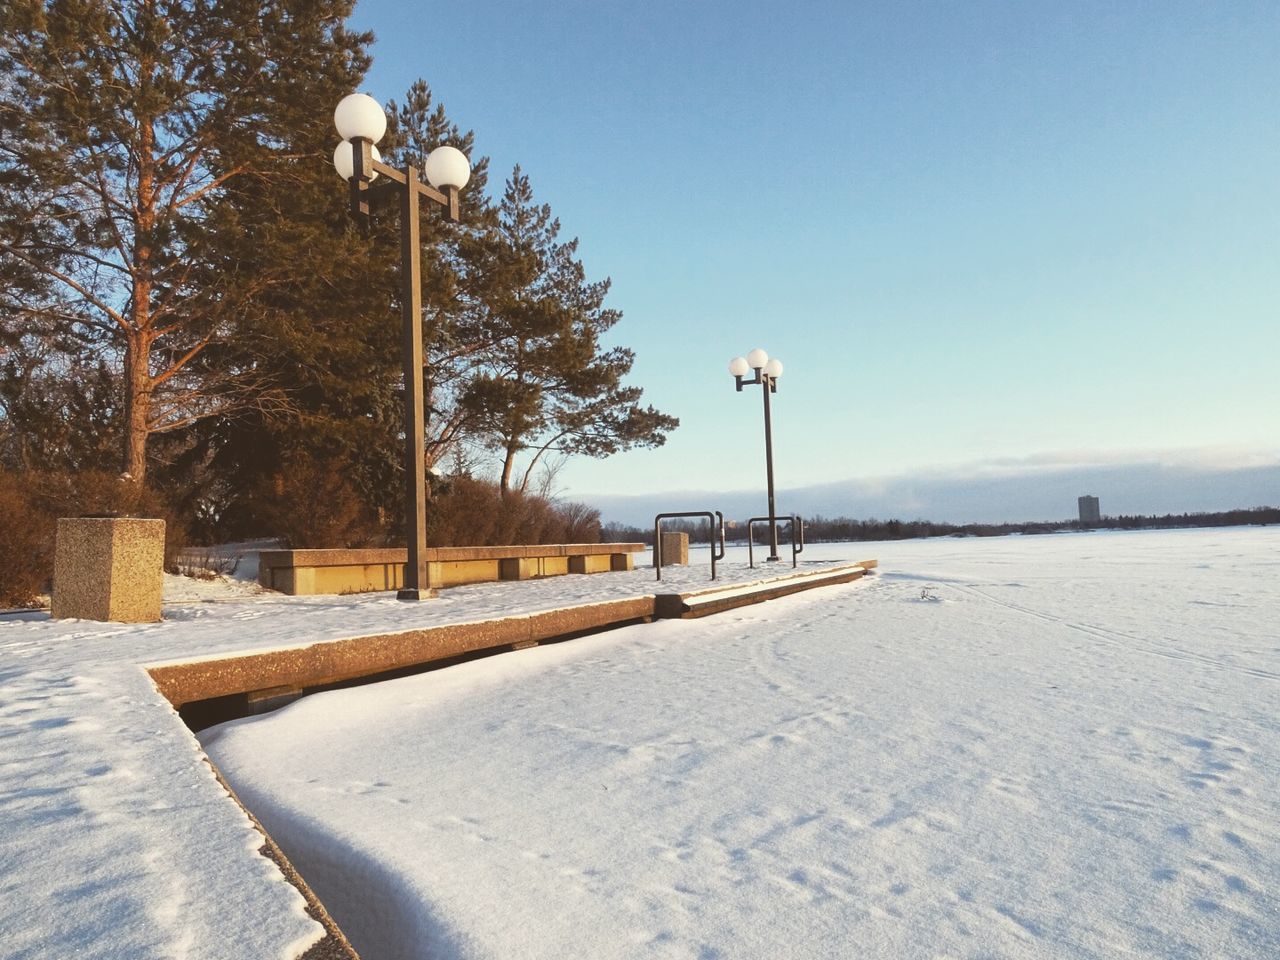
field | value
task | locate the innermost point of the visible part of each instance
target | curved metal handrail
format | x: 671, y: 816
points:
x: 711, y: 516
x: 795, y: 528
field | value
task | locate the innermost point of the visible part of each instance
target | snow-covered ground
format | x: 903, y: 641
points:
x: 1060, y: 746
x: 115, y: 838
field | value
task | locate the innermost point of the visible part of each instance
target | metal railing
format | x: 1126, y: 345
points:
x: 795, y: 526
x: 714, y: 517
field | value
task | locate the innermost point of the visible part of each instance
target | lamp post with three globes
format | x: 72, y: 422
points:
x: 361, y: 124
x: 767, y: 373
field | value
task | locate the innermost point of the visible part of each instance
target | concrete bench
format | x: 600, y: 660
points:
x: 305, y: 572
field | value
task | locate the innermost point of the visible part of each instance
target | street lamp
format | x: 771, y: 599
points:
x: 767, y: 374
x: 361, y: 123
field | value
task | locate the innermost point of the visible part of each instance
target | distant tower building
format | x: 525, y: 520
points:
x: 1089, y: 512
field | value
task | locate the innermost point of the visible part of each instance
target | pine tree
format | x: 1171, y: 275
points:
x: 329, y: 342
x: 126, y: 129
x: 451, y: 284
x: 547, y: 383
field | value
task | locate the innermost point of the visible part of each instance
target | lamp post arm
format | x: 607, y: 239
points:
x: 364, y: 167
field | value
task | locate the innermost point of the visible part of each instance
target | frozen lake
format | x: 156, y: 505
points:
x: 1066, y: 746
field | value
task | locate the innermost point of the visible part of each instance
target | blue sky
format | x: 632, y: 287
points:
x: 973, y: 232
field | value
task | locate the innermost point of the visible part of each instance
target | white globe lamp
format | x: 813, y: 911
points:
x: 344, y: 160
x: 359, y: 115
x: 447, y: 167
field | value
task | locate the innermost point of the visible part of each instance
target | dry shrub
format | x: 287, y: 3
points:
x: 26, y: 556
x: 524, y: 518
x: 103, y: 493
x: 469, y: 512
x: 32, y: 502
x: 205, y: 564
x: 581, y: 523
x: 464, y: 513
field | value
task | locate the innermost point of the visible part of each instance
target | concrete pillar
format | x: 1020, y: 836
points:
x: 675, y: 549
x: 519, y: 568
x: 108, y: 568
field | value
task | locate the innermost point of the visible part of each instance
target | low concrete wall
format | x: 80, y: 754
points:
x: 305, y: 572
x: 710, y: 600
x: 294, y: 669
x: 223, y: 688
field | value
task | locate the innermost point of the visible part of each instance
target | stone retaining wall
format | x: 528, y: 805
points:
x: 305, y: 572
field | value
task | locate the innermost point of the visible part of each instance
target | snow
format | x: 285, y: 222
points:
x: 116, y: 840
x: 1065, y: 746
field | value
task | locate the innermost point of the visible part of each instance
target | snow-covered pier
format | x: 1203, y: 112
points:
x: 117, y: 837
x: 228, y: 686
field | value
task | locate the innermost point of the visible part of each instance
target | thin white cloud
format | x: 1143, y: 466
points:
x: 1043, y: 486
x: 1211, y: 459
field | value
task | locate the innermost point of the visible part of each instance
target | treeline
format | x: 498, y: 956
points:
x: 190, y: 321
x: 835, y: 529
x: 1259, y: 516
x: 844, y: 528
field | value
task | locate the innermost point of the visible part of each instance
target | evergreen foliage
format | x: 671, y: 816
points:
x: 334, y: 335
x: 546, y: 383
x: 183, y: 293
x: 125, y: 128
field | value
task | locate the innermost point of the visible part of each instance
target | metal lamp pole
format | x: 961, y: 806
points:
x: 767, y: 373
x: 361, y: 123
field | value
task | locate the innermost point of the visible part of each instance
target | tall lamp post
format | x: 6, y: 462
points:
x: 767, y: 374
x: 361, y: 124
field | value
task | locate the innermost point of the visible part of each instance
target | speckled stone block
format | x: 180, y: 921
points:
x: 675, y: 549
x: 108, y: 568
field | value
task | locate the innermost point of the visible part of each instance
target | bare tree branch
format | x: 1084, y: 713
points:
x: 51, y: 271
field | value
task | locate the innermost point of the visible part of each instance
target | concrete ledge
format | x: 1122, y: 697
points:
x: 307, y: 572
x: 701, y: 603
x: 596, y: 563
x: 262, y: 680
x: 276, y: 674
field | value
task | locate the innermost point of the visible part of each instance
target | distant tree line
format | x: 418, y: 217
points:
x: 837, y: 529
x: 842, y: 528
x: 1253, y: 516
